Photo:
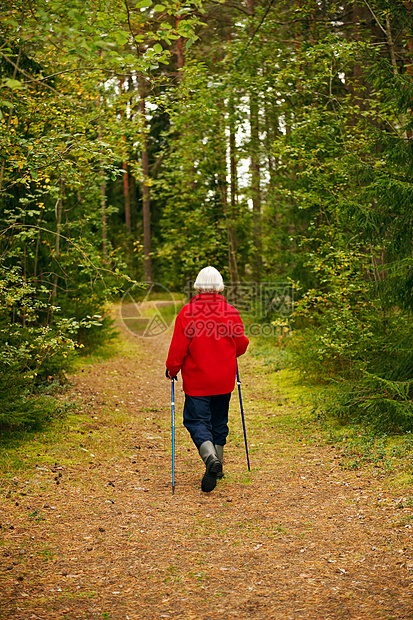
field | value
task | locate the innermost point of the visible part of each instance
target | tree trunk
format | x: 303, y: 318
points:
x: 355, y: 83
x: 255, y: 174
x: 103, y: 211
x: 145, y: 188
x: 232, y: 216
x: 126, y: 195
x: 221, y: 150
x: 58, y: 213
x: 390, y: 43
x: 36, y: 254
x: 103, y: 197
x: 270, y: 123
x: 68, y: 243
x: 393, y: 60
x: 255, y: 189
x: 180, y: 50
x: 231, y: 233
x: 232, y: 251
x: 409, y: 40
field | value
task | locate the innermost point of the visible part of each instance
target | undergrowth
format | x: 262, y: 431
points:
x: 363, y: 439
x: 272, y: 354
x: 368, y: 379
x: 361, y: 446
x: 29, y: 402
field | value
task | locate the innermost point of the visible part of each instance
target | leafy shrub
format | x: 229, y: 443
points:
x: 372, y: 401
x: 30, y: 352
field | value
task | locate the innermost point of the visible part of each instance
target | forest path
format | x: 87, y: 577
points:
x: 93, y: 531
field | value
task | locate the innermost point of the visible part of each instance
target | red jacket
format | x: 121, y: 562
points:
x: 207, y: 339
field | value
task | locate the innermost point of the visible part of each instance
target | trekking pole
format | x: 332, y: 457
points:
x: 173, y: 434
x: 242, y: 417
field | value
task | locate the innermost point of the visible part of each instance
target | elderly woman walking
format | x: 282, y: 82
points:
x: 207, y: 339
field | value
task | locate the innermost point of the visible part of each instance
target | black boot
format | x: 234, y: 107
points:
x: 220, y: 454
x: 213, y: 466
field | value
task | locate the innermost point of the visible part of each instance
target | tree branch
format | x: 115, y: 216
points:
x: 32, y: 79
x: 137, y: 43
x: 31, y: 10
x: 47, y: 77
x: 374, y: 16
x: 54, y: 161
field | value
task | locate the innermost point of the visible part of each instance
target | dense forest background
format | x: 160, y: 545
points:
x: 271, y: 139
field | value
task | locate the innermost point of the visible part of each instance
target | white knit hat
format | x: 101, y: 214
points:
x: 209, y: 280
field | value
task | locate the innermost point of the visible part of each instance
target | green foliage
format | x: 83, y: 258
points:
x: 272, y: 351
x: 63, y: 137
x: 192, y: 183
x: 29, y: 350
x: 284, y: 144
x: 372, y: 401
x: 360, y: 447
x: 344, y: 175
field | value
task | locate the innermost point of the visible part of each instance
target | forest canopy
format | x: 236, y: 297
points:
x: 272, y: 139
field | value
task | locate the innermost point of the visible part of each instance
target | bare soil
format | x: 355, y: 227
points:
x: 91, y: 529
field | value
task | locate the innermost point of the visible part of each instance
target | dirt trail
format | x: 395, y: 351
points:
x: 97, y: 533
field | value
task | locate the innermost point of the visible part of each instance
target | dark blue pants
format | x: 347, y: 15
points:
x: 206, y: 418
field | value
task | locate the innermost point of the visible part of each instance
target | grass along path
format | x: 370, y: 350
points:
x: 90, y: 529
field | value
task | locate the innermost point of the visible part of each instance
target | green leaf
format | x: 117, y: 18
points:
x: 6, y: 104
x: 104, y: 44
x: 121, y: 38
x: 158, y: 48
x: 159, y: 8
x: 15, y: 84
x: 143, y: 4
